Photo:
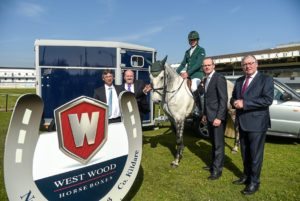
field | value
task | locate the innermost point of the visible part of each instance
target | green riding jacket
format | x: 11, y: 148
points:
x: 194, y: 63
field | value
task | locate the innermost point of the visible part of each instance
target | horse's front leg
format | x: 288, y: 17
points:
x: 235, y: 149
x: 179, y: 143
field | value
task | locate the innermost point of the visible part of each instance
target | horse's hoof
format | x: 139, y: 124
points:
x: 174, y: 164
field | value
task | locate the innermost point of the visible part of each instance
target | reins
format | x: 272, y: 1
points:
x: 164, y: 88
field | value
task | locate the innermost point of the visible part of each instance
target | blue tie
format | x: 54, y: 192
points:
x: 109, y: 101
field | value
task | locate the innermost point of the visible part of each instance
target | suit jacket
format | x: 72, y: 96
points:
x: 215, y: 98
x: 255, y: 116
x: 193, y: 62
x: 140, y: 96
x: 100, y: 94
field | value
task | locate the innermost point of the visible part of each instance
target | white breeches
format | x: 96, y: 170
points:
x: 195, y: 83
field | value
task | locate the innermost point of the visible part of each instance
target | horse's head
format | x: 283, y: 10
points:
x: 157, y: 74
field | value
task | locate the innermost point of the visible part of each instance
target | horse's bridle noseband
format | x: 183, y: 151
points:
x: 164, y: 88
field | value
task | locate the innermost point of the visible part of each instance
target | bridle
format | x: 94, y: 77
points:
x: 164, y: 87
x: 157, y: 90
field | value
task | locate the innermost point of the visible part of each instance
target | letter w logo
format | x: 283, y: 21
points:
x: 84, y: 127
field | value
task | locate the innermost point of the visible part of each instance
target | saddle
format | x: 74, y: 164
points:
x: 200, y: 86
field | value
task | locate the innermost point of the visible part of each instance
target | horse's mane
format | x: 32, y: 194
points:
x: 171, y: 70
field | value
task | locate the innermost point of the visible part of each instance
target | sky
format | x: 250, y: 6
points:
x: 225, y: 26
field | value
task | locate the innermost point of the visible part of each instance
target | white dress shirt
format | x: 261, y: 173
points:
x: 208, y: 78
x: 131, y: 87
x: 192, y: 50
x: 115, y: 102
x: 250, y: 78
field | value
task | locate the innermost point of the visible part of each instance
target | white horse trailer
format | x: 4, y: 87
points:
x: 67, y: 69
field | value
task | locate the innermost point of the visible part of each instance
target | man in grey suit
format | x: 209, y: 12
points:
x: 214, y: 115
x: 252, y: 95
x: 109, y: 94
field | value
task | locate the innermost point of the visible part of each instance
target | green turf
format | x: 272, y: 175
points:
x: 8, y: 97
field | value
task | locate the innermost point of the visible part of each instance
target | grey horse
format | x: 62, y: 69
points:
x: 173, y: 93
x: 175, y: 97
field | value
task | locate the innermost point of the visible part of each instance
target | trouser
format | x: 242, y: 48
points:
x: 197, y: 99
x: 216, y: 135
x: 252, y: 151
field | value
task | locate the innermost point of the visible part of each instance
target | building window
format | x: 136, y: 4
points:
x: 137, y: 61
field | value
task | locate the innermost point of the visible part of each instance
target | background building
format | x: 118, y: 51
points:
x: 17, y: 77
x: 282, y: 62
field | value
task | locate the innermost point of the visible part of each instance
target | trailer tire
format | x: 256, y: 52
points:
x: 200, y: 129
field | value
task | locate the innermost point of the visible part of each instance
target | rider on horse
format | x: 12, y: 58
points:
x: 190, y: 67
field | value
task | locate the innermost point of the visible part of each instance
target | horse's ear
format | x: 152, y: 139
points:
x: 148, y: 62
x: 164, y: 60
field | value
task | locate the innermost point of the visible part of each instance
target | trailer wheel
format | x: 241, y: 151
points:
x: 200, y: 129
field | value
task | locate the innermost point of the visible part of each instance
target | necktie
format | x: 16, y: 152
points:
x: 245, y: 84
x: 129, y: 87
x: 206, y: 83
x: 109, y: 101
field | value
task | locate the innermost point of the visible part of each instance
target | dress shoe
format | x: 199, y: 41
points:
x: 240, y: 181
x: 206, y: 168
x: 250, y: 189
x: 215, y: 175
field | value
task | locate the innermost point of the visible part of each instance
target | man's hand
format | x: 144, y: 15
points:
x: 147, y: 88
x: 184, y: 75
x: 239, y: 104
x: 217, y: 122
x: 204, y: 119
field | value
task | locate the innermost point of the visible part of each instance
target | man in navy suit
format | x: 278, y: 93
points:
x: 214, y: 115
x: 252, y: 95
x: 109, y: 94
x: 140, y: 90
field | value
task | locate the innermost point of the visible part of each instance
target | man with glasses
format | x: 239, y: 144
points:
x: 190, y: 67
x: 109, y: 94
x: 251, y: 97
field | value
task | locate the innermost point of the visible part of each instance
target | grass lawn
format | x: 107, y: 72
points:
x: 13, y: 95
x: 158, y: 181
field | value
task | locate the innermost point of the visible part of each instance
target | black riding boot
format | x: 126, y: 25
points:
x: 198, y: 109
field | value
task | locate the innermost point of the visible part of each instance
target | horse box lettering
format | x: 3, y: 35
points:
x: 67, y: 69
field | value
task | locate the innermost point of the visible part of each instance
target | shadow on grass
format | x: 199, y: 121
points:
x: 282, y: 140
x: 166, y: 139
x: 136, y: 185
x: 200, y: 147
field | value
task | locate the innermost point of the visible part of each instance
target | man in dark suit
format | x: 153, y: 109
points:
x: 140, y: 90
x: 252, y: 95
x: 214, y: 115
x: 109, y: 94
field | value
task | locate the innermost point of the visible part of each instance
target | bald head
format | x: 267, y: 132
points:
x: 129, y: 76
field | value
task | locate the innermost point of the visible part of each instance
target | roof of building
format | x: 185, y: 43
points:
x: 16, y: 68
x: 277, y: 49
